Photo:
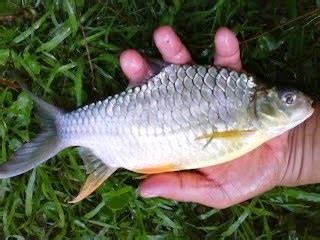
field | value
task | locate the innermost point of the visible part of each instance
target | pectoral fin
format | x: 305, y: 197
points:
x: 233, y: 134
x: 98, y: 172
x: 226, y: 134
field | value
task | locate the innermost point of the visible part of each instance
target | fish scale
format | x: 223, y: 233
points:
x: 161, y: 119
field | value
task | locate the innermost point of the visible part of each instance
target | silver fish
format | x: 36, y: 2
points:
x: 184, y: 117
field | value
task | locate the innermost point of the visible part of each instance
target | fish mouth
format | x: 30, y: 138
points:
x: 309, y: 112
x: 310, y: 102
x: 310, y: 109
x: 295, y: 123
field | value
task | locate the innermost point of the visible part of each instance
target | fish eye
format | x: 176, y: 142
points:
x: 288, y: 97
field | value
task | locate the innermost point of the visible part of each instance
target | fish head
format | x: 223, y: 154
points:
x: 279, y: 110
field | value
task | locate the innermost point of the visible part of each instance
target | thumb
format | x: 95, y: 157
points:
x: 182, y: 186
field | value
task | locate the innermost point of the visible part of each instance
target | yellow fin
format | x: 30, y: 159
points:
x: 226, y: 134
x: 94, y: 180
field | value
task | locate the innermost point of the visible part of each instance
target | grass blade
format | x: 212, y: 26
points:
x: 236, y: 224
x: 60, y: 36
x: 29, y: 193
x: 73, y: 23
x: 32, y: 29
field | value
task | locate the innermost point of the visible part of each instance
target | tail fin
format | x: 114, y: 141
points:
x: 43, y: 147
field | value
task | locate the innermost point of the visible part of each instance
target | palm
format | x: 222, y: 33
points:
x: 248, y: 176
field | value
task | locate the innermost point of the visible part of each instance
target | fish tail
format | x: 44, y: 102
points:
x: 43, y: 147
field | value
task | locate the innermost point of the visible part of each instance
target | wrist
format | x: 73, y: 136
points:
x: 303, y: 153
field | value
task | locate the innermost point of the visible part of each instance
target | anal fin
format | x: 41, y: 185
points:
x: 93, y: 181
x: 98, y: 173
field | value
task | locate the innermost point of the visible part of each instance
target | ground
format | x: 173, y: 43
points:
x: 69, y: 50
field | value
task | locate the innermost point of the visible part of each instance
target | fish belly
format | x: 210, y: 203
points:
x: 180, y: 151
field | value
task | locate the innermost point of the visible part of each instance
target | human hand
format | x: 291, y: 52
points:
x: 223, y: 185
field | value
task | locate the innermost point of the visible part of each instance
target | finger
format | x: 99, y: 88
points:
x: 227, y: 51
x: 170, y: 46
x: 183, y: 186
x: 134, y: 66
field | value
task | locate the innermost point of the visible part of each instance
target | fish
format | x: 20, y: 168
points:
x: 184, y: 117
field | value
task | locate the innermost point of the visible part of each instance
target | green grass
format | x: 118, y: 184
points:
x: 70, y: 53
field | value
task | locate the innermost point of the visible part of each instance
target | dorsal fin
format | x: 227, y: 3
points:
x: 156, y: 67
x: 99, y: 172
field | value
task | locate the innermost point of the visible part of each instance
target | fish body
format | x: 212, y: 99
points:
x: 184, y: 117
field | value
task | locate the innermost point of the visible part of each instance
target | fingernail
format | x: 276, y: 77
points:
x: 149, y: 195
